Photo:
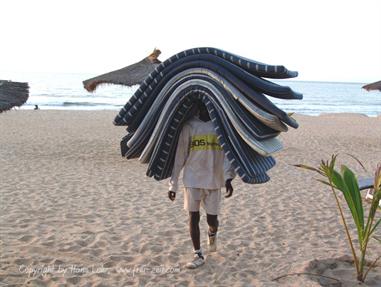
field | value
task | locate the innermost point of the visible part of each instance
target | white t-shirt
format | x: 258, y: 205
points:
x: 202, y: 158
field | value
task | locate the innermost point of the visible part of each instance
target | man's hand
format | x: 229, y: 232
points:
x: 229, y: 188
x: 171, y: 195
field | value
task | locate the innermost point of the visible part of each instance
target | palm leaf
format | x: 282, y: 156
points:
x: 326, y: 183
x: 374, y: 227
x: 358, y: 161
x: 308, y: 168
x: 339, y: 182
x: 353, y: 187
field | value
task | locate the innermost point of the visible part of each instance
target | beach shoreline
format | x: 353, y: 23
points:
x: 73, y: 211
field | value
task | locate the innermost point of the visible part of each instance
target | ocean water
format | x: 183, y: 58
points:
x: 65, y: 91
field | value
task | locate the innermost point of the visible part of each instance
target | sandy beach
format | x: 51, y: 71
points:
x: 74, y: 212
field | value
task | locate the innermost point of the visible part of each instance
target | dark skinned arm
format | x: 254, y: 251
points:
x: 229, y: 188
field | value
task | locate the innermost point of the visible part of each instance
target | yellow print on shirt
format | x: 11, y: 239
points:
x: 205, y: 142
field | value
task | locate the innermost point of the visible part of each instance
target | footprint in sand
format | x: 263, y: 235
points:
x: 22, y: 261
x: 74, y: 280
x: 27, y: 238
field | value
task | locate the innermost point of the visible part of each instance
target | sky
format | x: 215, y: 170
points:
x: 326, y: 40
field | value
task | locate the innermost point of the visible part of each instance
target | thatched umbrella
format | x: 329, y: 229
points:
x: 12, y: 94
x: 128, y: 76
x: 373, y: 86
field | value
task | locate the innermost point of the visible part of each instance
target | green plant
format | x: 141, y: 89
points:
x: 346, y: 182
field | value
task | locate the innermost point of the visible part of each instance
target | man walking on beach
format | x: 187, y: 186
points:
x: 206, y: 170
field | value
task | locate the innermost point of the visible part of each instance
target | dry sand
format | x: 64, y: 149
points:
x: 74, y: 212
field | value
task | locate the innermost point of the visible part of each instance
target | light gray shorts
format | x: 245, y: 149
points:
x: 209, y: 199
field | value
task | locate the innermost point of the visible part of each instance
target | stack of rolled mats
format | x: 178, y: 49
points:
x: 235, y: 93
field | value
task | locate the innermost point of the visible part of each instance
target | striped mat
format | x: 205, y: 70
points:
x: 238, y: 99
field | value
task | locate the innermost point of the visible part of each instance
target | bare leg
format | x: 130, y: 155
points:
x: 213, y: 223
x: 198, y: 258
x: 194, y: 229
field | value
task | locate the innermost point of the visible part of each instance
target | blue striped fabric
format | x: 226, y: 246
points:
x: 234, y: 91
x: 253, y: 67
x: 161, y: 162
x: 250, y: 166
x: 154, y: 82
x: 258, y: 128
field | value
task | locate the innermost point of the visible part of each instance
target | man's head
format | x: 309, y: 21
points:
x: 203, y: 112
